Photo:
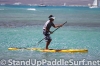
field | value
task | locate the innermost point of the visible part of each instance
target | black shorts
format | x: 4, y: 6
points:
x: 47, y: 35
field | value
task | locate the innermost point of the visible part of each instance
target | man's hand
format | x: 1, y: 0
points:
x: 61, y: 25
x: 50, y: 32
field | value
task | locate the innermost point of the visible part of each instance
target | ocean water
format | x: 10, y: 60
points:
x: 21, y: 26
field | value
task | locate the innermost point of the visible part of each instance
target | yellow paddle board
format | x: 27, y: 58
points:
x: 65, y: 50
x: 52, y: 50
x: 16, y: 48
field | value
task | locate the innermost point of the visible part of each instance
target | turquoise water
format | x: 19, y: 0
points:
x: 21, y: 26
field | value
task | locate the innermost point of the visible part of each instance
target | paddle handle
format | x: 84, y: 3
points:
x: 52, y: 32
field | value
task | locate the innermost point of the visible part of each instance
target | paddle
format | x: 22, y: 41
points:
x: 52, y: 32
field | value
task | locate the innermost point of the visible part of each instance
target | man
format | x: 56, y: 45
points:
x: 46, y: 29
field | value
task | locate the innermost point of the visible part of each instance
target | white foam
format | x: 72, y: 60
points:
x: 1, y: 9
x: 17, y: 3
x: 33, y: 9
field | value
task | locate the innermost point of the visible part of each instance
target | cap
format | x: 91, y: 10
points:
x: 51, y: 17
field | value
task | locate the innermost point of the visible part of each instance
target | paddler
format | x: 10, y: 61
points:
x: 46, y: 29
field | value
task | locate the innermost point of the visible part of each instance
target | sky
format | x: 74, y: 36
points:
x: 50, y: 2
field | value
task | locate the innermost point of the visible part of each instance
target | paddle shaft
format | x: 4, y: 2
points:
x: 52, y: 32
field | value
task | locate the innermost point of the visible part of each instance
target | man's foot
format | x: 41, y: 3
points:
x: 46, y: 48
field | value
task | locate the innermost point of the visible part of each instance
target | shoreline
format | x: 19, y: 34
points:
x: 46, y: 5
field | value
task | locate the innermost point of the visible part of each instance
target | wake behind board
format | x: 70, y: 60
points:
x: 52, y: 50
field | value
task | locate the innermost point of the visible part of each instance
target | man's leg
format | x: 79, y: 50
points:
x: 47, y: 43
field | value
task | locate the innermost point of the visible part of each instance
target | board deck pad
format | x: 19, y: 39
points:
x: 51, y: 50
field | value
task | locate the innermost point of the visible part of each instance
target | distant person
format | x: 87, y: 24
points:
x: 46, y: 30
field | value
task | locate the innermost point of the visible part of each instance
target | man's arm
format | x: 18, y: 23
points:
x: 56, y: 26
